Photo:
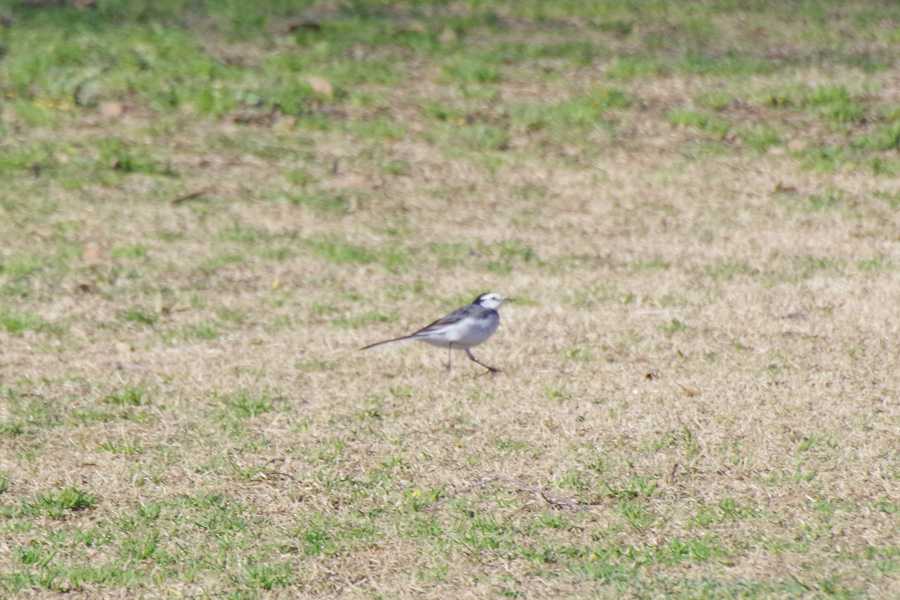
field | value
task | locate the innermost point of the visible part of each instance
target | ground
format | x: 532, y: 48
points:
x: 207, y: 210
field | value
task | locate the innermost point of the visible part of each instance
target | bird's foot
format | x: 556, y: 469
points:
x: 492, y: 371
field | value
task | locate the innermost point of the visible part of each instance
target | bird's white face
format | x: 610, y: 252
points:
x: 491, y: 300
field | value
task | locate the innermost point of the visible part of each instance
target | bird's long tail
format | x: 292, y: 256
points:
x: 399, y: 339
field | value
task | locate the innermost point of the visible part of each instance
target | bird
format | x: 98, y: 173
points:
x: 462, y: 329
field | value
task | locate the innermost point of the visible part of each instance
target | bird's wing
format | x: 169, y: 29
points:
x: 455, y: 317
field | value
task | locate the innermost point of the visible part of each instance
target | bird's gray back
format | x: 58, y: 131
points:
x: 464, y: 328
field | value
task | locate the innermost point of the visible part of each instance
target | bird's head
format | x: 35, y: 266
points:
x: 491, y: 300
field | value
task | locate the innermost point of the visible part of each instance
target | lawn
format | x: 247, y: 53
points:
x: 207, y: 208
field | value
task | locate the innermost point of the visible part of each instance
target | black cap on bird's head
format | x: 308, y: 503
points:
x: 491, y: 300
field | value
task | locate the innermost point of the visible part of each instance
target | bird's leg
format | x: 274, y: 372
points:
x: 449, y: 355
x: 492, y: 370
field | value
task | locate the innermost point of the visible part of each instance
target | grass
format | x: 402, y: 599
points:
x: 207, y: 209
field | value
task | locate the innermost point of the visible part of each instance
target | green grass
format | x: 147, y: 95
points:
x: 693, y: 203
x: 245, y: 405
x: 51, y: 504
x: 364, y: 319
x: 688, y: 118
x: 578, y: 113
x: 127, y: 251
x: 20, y: 323
x: 834, y: 104
x: 137, y: 316
x: 761, y: 138
x: 324, y: 202
x: 129, y: 396
x: 201, y: 331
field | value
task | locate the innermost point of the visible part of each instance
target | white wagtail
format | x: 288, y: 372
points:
x: 462, y: 329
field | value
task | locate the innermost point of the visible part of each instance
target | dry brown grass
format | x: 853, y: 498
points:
x: 700, y: 357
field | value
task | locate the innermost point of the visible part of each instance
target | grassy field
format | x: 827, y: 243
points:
x: 206, y: 209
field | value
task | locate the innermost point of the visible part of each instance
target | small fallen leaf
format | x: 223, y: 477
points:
x: 320, y: 85
x: 8, y: 115
x: 91, y: 252
x: 689, y: 390
x: 448, y: 36
x: 276, y: 284
x: 192, y: 195
x: 111, y: 109
x: 309, y: 25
